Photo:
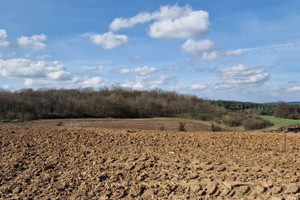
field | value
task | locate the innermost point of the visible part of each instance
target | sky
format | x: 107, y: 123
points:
x: 231, y: 50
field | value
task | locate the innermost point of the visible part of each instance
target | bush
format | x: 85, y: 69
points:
x: 256, y: 123
x: 60, y: 123
x: 215, y: 128
x: 234, y: 120
x: 250, y: 122
x: 181, y: 126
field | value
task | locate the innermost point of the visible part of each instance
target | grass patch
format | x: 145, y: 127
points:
x: 280, y: 121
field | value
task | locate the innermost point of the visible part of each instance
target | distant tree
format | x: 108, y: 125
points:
x: 281, y: 110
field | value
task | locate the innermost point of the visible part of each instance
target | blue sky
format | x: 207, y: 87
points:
x: 234, y: 50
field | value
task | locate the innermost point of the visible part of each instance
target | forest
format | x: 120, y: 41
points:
x: 28, y: 104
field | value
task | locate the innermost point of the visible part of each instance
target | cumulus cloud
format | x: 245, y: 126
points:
x: 164, y: 12
x: 59, y: 75
x: 169, y: 22
x: 192, y: 46
x: 119, y: 23
x: 3, y: 36
x: 149, y: 81
x: 94, y: 82
x: 33, y: 42
x: 47, y: 82
x: 241, y: 76
x: 198, y: 87
x: 145, y: 82
x: 194, y: 24
x: 73, y: 82
x: 211, y: 55
x: 139, y: 71
x: 46, y: 74
x: 109, y: 40
x: 144, y: 78
x: 26, y: 68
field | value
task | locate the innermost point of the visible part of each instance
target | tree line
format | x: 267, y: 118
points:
x: 280, y: 109
x: 29, y: 104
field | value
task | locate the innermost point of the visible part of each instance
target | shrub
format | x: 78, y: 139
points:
x: 161, y: 128
x: 215, y: 128
x: 256, y: 123
x: 233, y: 120
x: 250, y: 122
x: 60, y: 123
x: 181, y: 126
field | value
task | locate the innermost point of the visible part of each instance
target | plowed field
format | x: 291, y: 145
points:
x: 105, y: 163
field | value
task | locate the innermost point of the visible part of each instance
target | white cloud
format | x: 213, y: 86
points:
x: 46, y: 74
x: 238, y: 52
x: 149, y: 81
x: 119, y: 23
x: 5, y: 87
x: 241, y: 76
x: 73, y: 82
x: 192, y: 46
x: 198, y: 87
x: 138, y: 86
x: 169, y: 22
x: 94, y: 82
x: 139, y: 71
x: 126, y: 84
x: 194, y: 24
x: 28, y: 82
x: 47, y: 82
x: 211, y: 55
x: 143, y: 78
x: 165, y: 12
x: 33, y: 42
x: 109, y: 40
x: 294, y: 89
x: 26, y: 68
x: 3, y: 36
x: 59, y: 75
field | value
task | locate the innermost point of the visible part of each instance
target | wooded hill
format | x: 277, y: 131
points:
x: 28, y: 104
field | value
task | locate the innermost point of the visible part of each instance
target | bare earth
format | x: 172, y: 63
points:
x: 85, y: 160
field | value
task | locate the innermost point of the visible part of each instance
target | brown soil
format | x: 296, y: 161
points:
x: 100, y: 163
x: 166, y: 124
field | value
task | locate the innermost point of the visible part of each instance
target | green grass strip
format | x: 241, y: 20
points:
x: 280, y: 121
